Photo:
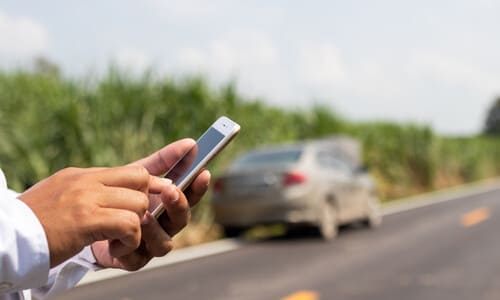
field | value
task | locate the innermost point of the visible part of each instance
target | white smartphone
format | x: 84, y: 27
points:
x: 186, y: 169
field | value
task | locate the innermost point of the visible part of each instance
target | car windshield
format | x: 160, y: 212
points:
x: 266, y: 158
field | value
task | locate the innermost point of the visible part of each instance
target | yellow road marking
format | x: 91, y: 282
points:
x: 475, y: 217
x: 302, y: 295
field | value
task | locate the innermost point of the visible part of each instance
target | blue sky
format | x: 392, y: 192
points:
x: 432, y: 62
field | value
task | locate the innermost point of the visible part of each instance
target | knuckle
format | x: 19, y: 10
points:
x: 139, y: 203
x: 133, y: 225
x: 67, y: 174
x: 136, y: 264
x: 144, y: 203
x: 140, y: 172
x: 67, y: 171
x: 182, y: 205
x: 183, y: 202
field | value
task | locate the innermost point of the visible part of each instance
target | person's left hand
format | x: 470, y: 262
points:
x: 156, y: 234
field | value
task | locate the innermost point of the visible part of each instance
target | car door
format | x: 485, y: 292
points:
x: 358, y: 193
x: 354, y: 185
x: 337, y: 178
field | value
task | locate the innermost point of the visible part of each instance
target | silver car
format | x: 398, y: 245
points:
x: 319, y: 183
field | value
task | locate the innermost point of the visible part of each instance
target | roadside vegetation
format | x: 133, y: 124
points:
x: 48, y: 122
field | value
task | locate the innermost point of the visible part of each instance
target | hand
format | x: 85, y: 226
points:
x: 77, y: 207
x: 156, y: 234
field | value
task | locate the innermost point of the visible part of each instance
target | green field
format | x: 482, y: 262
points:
x: 48, y: 122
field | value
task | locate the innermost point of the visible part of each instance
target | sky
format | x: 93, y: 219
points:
x: 431, y: 62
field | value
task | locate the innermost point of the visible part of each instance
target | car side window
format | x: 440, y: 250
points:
x: 328, y: 160
x: 322, y: 160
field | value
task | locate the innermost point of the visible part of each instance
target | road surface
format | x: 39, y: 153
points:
x: 449, y: 250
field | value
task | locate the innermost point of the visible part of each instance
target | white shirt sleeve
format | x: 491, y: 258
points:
x: 67, y: 274
x: 24, y: 254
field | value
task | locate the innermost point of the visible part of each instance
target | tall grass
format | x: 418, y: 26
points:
x: 48, y: 122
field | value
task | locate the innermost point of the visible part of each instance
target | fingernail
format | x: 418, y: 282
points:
x: 146, y: 219
x: 167, y: 181
x: 176, y: 196
x: 173, y: 191
x: 209, y: 177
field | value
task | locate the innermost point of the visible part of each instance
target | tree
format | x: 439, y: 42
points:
x: 45, y: 66
x: 492, y: 126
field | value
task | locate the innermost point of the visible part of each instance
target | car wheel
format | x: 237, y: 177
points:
x: 327, y: 226
x: 373, y: 219
x: 233, y: 231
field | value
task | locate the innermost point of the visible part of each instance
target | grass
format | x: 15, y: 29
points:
x: 48, y: 122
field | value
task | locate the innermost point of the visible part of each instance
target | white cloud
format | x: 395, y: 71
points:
x: 21, y: 37
x: 231, y: 54
x: 304, y: 72
x: 447, y: 69
x: 132, y: 60
x: 451, y: 84
x: 189, y: 9
x: 247, y: 56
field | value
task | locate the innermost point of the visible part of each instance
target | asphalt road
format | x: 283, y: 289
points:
x: 449, y: 250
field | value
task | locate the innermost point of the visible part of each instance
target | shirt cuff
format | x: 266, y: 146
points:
x: 38, y: 240
x: 86, y: 258
x: 66, y: 275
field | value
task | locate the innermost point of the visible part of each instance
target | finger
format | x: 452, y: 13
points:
x: 123, y: 227
x: 123, y: 198
x: 158, y: 242
x: 154, y: 202
x: 77, y: 171
x: 177, y: 211
x: 198, y: 188
x: 136, y: 259
x: 162, y: 160
x: 157, y: 185
x: 130, y: 176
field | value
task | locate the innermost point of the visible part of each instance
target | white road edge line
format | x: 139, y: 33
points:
x: 440, y: 196
x: 227, y: 245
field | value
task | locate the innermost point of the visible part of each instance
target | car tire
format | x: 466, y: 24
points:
x: 327, y: 223
x: 233, y: 231
x: 373, y: 218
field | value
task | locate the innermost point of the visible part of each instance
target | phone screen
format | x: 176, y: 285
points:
x: 180, y: 171
x: 192, y: 162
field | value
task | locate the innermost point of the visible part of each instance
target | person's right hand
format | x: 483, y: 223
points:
x: 77, y: 207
